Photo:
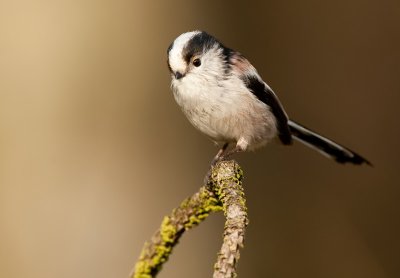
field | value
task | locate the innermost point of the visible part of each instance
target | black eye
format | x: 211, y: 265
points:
x: 196, y: 62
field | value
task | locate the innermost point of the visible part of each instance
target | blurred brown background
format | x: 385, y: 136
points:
x: 94, y: 151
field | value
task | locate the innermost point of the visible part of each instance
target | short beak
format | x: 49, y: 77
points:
x: 178, y: 75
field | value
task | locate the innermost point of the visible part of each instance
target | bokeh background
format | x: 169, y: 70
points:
x: 94, y: 150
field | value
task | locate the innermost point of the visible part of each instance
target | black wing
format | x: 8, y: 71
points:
x: 266, y: 95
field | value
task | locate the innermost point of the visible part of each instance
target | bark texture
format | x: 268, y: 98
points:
x: 223, y: 191
x: 227, y: 180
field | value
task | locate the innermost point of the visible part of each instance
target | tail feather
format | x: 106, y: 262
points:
x: 325, y: 146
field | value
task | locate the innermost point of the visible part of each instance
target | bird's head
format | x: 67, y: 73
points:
x: 197, y: 54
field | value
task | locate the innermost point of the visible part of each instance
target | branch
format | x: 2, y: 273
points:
x: 190, y: 212
x: 224, y: 192
x: 228, y: 182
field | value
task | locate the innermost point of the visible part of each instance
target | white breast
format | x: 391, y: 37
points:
x: 224, y: 109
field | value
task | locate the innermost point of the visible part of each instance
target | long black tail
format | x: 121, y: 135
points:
x: 325, y: 146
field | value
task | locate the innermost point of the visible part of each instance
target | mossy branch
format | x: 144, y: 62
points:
x: 224, y: 191
x: 189, y: 213
x: 228, y: 182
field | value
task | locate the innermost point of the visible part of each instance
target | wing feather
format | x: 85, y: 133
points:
x: 263, y: 93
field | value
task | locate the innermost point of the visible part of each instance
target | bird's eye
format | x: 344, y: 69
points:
x: 196, y: 62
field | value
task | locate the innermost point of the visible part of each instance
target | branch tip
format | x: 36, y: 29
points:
x: 222, y: 192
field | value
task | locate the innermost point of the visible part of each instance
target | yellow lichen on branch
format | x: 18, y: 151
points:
x: 224, y: 191
x: 228, y: 183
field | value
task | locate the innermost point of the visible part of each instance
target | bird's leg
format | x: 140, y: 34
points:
x: 241, y: 146
x: 236, y: 149
x: 218, y: 156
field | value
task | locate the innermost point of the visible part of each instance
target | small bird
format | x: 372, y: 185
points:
x: 223, y: 96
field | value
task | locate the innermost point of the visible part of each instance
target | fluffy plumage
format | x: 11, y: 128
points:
x: 222, y: 95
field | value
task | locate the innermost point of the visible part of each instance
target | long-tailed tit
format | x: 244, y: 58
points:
x: 223, y: 96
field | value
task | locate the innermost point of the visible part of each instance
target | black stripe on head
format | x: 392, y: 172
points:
x: 198, y: 44
x: 227, y: 54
